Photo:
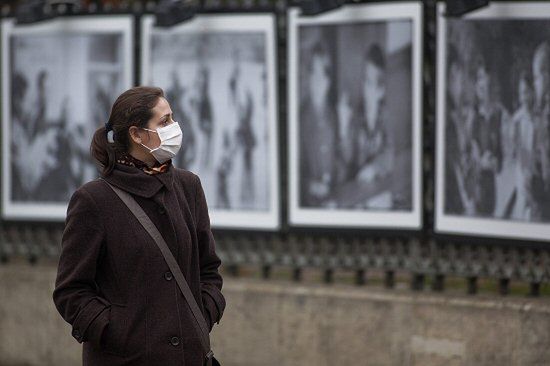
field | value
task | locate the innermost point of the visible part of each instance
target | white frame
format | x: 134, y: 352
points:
x: 264, y: 22
x: 94, y: 24
x: 299, y: 216
x: 460, y: 225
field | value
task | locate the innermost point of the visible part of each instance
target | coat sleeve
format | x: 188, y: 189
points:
x: 211, y: 281
x: 75, y: 294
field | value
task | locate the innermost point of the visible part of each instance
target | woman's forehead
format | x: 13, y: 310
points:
x: 162, y: 108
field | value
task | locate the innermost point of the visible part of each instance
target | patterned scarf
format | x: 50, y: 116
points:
x: 127, y: 159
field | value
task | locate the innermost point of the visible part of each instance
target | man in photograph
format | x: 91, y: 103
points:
x: 318, y: 161
x: 246, y: 142
x: 489, y: 117
x: 365, y: 145
x: 176, y: 94
x: 205, y: 114
x: 459, y: 184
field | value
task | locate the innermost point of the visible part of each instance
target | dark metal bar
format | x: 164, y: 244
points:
x: 504, y: 286
x: 438, y: 284
x: 472, y: 285
x: 389, y: 279
x: 417, y: 283
x: 360, y: 277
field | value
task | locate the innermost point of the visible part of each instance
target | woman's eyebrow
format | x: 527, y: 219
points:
x: 166, y: 115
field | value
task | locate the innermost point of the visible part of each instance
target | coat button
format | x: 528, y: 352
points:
x: 168, y: 276
x: 161, y: 210
x: 174, y: 341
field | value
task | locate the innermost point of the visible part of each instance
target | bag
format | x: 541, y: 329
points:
x: 148, y: 225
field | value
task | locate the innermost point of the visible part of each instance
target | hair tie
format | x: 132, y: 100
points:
x: 109, y: 133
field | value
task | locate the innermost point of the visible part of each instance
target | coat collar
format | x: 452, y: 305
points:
x: 135, y: 181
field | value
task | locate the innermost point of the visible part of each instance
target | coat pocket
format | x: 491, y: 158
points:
x: 114, y: 337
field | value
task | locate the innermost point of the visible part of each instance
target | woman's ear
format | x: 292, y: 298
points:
x: 134, y: 135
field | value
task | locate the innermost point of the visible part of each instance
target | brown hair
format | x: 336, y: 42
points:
x: 132, y: 108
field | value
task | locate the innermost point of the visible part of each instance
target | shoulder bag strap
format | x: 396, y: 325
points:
x: 148, y: 225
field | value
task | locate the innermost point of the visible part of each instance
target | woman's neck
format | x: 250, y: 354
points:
x: 144, y: 156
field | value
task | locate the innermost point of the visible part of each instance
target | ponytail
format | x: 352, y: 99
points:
x: 103, y: 152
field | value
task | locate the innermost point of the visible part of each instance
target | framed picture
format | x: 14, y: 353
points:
x: 354, y: 97
x: 218, y: 72
x: 493, y: 143
x: 60, y: 78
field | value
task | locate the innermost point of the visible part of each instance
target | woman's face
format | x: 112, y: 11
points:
x: 162, y: 116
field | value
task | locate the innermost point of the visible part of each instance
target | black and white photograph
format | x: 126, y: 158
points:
x: 62, y: 76
x: 355, y: 117
x: 218, y: 72
x: 493, y: 142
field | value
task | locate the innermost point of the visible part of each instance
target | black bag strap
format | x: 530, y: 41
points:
x: 148, y: 225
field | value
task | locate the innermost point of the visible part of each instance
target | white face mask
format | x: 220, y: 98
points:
x: 170, y: 142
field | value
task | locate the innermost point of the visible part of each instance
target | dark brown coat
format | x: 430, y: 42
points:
x: 113, y: 285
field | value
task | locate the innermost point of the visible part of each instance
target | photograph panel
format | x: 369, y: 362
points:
x: 218, y: 73
x: 62, y: 79
x: 355, y: 117
x: 494, y: 113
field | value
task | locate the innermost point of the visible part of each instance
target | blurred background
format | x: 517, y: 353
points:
x: 376, y: 172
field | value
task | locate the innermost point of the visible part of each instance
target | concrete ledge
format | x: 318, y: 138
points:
x: 280, y: 323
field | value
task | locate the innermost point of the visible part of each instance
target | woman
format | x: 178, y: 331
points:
x: 113, y: 285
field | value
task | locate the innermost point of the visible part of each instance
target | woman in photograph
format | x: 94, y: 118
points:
x: 113, y: 284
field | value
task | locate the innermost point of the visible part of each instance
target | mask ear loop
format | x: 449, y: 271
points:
x: 150, y: 150
x: 141, y: 143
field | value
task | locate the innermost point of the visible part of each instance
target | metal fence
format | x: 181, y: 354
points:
x: 422, y: 256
